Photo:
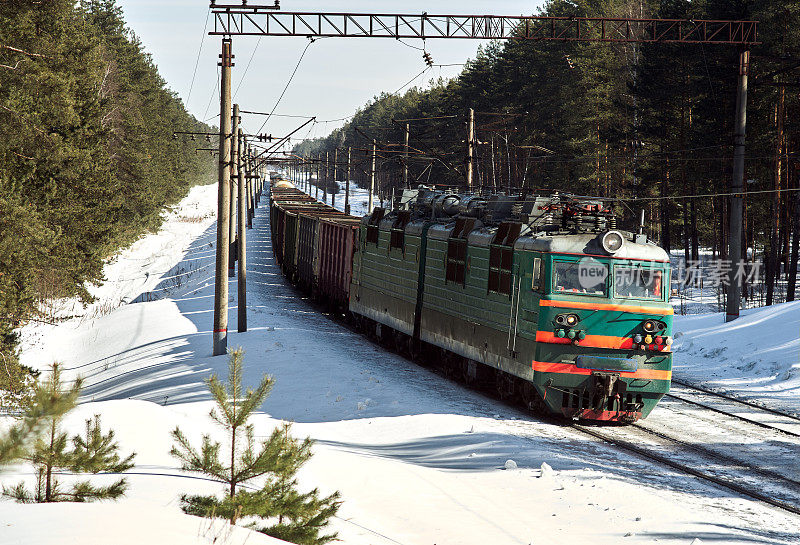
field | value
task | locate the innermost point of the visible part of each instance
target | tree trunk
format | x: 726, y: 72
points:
x: 790, y: 289
x: 666, y: 243
x: 48, y: 478
x: 772, y: 259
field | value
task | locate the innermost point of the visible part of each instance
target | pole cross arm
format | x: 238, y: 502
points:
x: 252, y: 20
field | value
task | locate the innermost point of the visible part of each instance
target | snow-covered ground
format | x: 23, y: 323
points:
x: 418, y: 459
x: 756, y: 357
x: 358, y: 199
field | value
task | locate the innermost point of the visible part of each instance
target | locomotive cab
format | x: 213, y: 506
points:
x: 604, y: 325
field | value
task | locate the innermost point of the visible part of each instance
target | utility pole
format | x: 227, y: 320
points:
x: 470, y: 148
x: 737, y: 187
x: 242, y: 280
x: 372, y: 176
x: 256, y: 184
x: 249, y: 201
x: 405, y: 155
x: 220, y: 333
x: 319, y: 172
x: 327, y: 179
x: 347, y: 184
x: 252, y: 185
x: 335, y: 183
x: 234, y: 180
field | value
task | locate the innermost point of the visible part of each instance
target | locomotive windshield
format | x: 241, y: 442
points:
x: 638, y: 282
x: 585, y: 277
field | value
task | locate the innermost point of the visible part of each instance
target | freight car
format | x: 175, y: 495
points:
x: 541, y: 296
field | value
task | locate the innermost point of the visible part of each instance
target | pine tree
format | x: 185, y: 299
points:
x: 51, y: 452
x: 46, y: 404
x: 293, y: 516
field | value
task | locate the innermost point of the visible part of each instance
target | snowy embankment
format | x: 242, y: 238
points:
x: 418, y: 459
x: 756, y: 357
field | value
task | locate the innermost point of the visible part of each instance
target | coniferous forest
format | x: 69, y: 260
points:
x: 87, y: 155
x: 628, y: 121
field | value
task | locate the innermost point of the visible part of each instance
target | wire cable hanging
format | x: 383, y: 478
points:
x: 311, y: 41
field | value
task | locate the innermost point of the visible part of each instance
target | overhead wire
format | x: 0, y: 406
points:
x: 197, y: 62
x: 412, y: 80
x: 246, y: 68
x: 311, y: 41
x: 213, y: 94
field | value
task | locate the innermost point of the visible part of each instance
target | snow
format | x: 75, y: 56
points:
x: 756, y: 357
x: 359, y: 198
x: 417, y: 458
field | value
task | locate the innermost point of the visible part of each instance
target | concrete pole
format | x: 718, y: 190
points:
x: 256, y: 182
x: 319, y: 170
x: 405, y: 154
x: 372, y: 176
x: 242, y: 280
x: 234, y: 181
x: 252, y: 185
x: 250, y: 205
x: 327, y: 179
x: 737, y: 187
x: 470, y: 148
x: 347, y: 185
x: 220, y: 332
x: 335, y: 183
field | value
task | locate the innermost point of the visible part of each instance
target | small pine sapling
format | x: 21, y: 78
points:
x: 51, y: 453
x: 294, y: 516
x: 45, y: 405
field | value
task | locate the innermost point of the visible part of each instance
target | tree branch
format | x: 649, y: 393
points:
x: 15, y: 50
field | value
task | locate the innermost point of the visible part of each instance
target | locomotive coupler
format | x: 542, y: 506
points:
x: 606, y: 386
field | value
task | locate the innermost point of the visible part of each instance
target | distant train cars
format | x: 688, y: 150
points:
x: 541, y: 297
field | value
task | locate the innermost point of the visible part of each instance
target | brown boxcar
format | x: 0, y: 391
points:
x: 289, y: 230
x: 338, y: 238
x: 305, y: 252
x: 298, y: 254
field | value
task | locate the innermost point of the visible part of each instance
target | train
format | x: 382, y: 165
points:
x: 540, y: 297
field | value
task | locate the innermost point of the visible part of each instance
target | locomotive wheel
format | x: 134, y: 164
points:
x: 416, y: 351
x: 401, y: 343
x: 458, y: 368
x: 505, y: 385
x: 442, y: 361
x: 533, y: 401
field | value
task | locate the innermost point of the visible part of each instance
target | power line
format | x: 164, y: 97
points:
x: 287, y: 85
x: 197, y: 62
x: 412, y: 80
x: 411, y: 46
x: 213, y: 94
x: 704, y: 195
x: 253, y: 54
x: 275, y: 115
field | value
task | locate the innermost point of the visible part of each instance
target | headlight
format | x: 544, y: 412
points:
x: 651, y: 326
x: 612, y: 242
x: 568, y: 320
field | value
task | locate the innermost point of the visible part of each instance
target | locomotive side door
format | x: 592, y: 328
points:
x: 525, y: 294
x: 531, y: 272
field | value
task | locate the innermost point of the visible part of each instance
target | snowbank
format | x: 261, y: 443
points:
x: 756, y: 357
x: 417, y: 458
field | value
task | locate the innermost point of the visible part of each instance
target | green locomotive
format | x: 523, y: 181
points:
x: 541, y: 295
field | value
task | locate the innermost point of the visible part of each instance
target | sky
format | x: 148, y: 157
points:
x: 335, y: 77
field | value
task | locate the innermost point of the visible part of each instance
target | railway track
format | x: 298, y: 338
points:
x: 736, y: 401
x: 666, y: 447
x: 723, y: 470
